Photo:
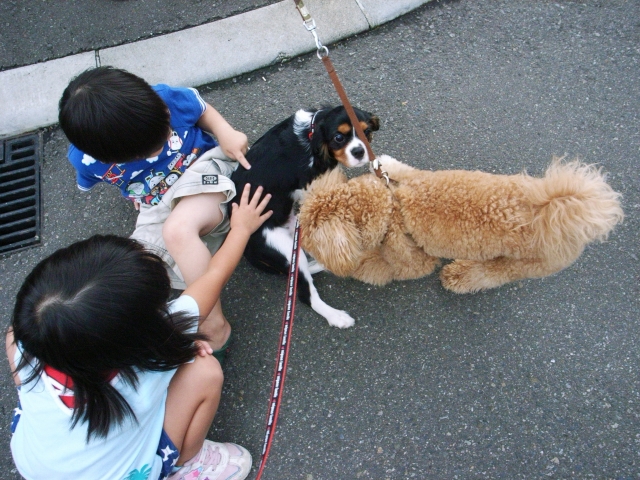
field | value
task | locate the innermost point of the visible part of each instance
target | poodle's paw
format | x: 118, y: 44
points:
x: 386, y: 162
x: 340, y: 319
x: 463, y: 276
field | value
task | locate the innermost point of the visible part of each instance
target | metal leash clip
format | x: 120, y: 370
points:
x: 310, y: 25
x: 375, y: 167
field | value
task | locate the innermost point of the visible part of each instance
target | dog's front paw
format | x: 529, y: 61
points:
x: 462, y: 276
x: 395, y: 168
x: 340, y: 319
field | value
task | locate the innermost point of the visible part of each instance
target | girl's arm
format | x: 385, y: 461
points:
x: 234, y: 144
x: 11, y: 355
x: 246, y: 218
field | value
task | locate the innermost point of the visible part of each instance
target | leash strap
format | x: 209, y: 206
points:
x: 277, y: 387
x: 323, y: 54
x: 328, y: 65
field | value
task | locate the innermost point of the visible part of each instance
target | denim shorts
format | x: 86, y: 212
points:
x: 169, y: 454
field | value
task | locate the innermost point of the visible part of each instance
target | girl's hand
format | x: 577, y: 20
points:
x: 246, y: 218
x: 234, y: 144
x: 248, y: 215
x: 204, y: 348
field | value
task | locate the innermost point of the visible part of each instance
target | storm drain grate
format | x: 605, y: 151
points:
x: 19, y: 193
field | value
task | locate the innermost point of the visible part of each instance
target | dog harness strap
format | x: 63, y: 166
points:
x: 277, y: 387
x: 312, y: 124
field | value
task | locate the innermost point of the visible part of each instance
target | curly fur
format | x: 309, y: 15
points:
x: 497, y: 228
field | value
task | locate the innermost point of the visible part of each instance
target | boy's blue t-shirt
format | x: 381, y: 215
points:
x: 147, y: 179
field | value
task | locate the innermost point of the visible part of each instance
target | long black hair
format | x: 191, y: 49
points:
x: 97, y: 306
x: 113, y: 115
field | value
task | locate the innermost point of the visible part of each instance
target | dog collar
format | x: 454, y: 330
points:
x: 313, y: 124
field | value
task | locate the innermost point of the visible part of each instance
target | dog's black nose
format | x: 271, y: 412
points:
x: 358, y: 152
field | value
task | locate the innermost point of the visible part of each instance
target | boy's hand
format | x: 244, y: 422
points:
x: 248, y: 215
x: 234, y: 144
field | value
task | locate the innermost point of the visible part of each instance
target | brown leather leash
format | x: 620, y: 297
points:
x: 323, y: 54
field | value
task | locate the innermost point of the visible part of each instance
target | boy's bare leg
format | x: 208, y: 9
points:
x: 192, y: 217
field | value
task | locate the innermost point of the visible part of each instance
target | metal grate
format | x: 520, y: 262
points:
x: 19, y: 193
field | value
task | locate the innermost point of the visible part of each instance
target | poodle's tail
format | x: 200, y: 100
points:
x: 573, y: 206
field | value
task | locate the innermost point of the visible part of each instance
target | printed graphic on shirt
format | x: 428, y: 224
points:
x: 175, y: 142
x: 156, y: 183
x: 172, y: 178
x: 114, y: 175
x: 61, y: 388
x: 135, y: 189
x: 142, y: 474
x: 154, y: 180
x: 192, y: 156
x: 88, y: 160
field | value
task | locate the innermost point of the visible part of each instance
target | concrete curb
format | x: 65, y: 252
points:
x: 195, y: 56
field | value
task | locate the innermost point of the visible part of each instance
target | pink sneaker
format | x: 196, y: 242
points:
x: 216, y: 461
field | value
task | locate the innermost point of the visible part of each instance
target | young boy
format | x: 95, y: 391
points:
x: 152, y: 143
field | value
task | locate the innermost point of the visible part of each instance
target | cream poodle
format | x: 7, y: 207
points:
x: 496, y: 228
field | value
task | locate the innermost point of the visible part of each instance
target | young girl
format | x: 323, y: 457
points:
x: 113, y: 382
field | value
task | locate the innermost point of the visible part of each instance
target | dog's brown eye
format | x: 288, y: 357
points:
x: 368, y: 132
x: 338, y: 138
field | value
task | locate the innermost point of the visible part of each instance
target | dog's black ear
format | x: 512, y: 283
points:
x: 374, y: 123
x: 320, y: 146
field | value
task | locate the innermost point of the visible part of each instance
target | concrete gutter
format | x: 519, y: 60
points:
x: 195, y: 56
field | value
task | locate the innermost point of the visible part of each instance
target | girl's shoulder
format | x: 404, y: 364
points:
x: 184, y: 303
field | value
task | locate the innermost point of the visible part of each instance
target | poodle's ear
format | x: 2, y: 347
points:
x: 325, y: 182
x: 328, y: 230
x: 335, y: 243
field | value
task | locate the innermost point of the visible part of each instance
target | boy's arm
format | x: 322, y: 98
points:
x: 234, y: 144
x: 246, y: 218
x: 81, y: 162
x: 11, y: 355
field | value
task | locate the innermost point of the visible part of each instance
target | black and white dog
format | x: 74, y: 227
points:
x: 284, y: 161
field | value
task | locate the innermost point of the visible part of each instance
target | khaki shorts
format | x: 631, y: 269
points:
x: 209, y: 173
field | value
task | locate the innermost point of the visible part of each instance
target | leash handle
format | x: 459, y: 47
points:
x: 277, y: 387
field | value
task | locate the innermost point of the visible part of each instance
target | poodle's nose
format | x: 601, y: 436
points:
x: 358, y: 152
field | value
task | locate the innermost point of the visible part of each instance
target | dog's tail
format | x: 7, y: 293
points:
x: 573, y: 206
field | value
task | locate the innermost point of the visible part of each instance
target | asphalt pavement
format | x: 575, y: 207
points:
x: 537, y: 379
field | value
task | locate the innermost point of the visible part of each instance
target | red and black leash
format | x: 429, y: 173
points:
x: 277, y: 386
